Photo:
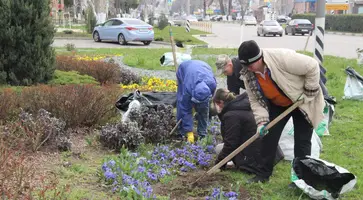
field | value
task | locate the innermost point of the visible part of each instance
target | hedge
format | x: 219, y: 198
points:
x: 343, y: 23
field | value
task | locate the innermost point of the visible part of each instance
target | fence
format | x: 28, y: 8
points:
x: 202, y: 26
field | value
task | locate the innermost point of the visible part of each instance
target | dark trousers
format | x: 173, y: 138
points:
x: 303, y: 131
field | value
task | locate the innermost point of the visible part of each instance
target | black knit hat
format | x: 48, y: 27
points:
x: 249, y: 52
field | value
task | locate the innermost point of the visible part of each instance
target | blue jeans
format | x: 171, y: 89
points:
x: 202, y: 117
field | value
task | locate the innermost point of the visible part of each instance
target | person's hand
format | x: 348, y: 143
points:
x: 261, y: 129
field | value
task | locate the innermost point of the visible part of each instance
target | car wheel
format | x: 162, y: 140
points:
x: 274, y: 35
x: 121, y: 39
x: 303, y: 34
x: 286, y: 32
x: 292, y: 32
x: 258, y: 34
x: 281, y: 35
x: 96, y: 37
x: 146, y: 42
x: 311, y: 33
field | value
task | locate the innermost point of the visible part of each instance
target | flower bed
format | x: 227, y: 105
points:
x: 153, y: 84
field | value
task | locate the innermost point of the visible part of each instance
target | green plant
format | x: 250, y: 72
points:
x: 70, y: 47
x: 68, y: 32
x: 344, y: 23
x: 90, y: 19
x: 71, y: 77
x: 26, y: 54
x: 162, y: 21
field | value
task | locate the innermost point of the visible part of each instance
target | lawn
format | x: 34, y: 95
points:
x: 343, y: 146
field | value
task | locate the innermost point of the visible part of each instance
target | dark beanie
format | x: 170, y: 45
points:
x: 249, y: 52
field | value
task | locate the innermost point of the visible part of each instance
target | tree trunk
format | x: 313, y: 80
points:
x: 221, y: 6
x: 229, y: 7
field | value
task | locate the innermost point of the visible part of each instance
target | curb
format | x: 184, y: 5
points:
x: 206, y: 35
x: 344, y: 33
x: 73, y: 38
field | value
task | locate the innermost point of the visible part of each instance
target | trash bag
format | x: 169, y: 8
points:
x: 146, y: 98
x: 360, y: 56
x: 320, y: 179
x: 353, y: 88
x: 168, y: 60
x: 286, y: 142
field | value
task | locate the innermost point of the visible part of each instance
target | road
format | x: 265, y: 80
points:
x: 228, y: 36
x: 84, y: 43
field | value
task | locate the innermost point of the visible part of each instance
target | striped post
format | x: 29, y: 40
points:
x: 187, y: 26
x: 319, y: 34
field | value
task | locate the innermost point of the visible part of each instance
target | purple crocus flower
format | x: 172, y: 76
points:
x: 216, y: 192
x: 110, y: 175
x: 141, y: 169
x: 152, y: 176
x: 111, y: 163
x: 230, y: 194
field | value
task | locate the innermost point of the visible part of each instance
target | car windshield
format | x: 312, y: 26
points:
x: 134, y: 22
x: 270, y: 23
x: 303, y: 21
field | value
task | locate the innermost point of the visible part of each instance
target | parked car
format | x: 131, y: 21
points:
x: 269, y: 27
x: 216, y: 18
x: 124, y: 30
x: 300, y: 26
x: 250, y: 20
x: 282, y: 19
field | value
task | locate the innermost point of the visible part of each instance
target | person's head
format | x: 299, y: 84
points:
x: 222, y: 96
x: 250, y: 56
x: 224, y: 65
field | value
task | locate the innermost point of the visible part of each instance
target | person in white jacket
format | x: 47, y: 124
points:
x: 274, y: 80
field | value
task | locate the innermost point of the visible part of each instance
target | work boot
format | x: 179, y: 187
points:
x: 190, y: 137
x: 257, y: 179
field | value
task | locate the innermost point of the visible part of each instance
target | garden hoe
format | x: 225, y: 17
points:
x: 248, y: 142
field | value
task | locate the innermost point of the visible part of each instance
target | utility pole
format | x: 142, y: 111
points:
x: 188, y: 7
x: 204, y: 8
x: 319, y: 33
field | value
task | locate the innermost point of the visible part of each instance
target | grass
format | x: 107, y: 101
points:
x: 343, y: 146
x: 71, y: 77
x: 179, y: 34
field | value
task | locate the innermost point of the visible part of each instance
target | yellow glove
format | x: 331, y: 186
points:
x: 190, y: 137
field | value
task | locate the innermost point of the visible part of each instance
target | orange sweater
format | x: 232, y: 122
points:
x: 271, y: 91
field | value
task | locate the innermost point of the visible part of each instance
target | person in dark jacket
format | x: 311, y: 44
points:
x: 196, y: 86
x: 237, y: 126
x: 230, y: 68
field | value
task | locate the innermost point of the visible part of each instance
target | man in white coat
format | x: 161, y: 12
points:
x: 274, y: 80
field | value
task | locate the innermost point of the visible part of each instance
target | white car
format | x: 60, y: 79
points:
x: 269, y: 27
x: 250, y: 20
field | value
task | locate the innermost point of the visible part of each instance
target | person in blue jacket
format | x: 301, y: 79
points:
x: 196, y: 86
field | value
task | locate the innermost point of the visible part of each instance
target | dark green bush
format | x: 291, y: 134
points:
x: 344, y: 23
x: 26, y: 55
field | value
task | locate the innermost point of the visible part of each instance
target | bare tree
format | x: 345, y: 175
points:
x: 221, y: 7
x: 244, y: 6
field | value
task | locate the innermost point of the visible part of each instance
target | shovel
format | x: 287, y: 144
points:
x: 249, y: 141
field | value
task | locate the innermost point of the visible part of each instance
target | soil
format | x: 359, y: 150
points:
x: 181, y: 188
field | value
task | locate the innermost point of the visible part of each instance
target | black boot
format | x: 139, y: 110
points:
x: 257, y: 179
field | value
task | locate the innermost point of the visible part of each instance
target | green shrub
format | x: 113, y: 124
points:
x: 90, y: 20
x: 343, y: 23
x: 27, y: 32
x: 70, y: 47
x: 162, y: 21
x: 71, y: 77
